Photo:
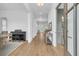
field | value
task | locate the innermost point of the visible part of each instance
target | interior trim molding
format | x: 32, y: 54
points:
x: 68, y: 54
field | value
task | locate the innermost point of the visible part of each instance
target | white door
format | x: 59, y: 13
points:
x: 70, y: 33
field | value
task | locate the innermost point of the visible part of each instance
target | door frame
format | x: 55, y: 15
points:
x: 74, y: 8
x: 59, y: 14
x: 65, y: 33
x: 64, y: 26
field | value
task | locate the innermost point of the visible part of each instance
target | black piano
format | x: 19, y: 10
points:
x: 18, y: 35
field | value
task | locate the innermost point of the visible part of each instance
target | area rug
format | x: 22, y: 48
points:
x: 8, y: 48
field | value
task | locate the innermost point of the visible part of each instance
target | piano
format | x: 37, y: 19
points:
x: 18, y: 35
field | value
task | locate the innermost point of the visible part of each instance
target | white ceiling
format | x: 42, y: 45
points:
x: 12, y: 7
x: 40, y: 11
x: 32, y: 7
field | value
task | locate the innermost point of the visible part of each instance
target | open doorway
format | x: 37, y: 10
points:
x: 61, y: 27
x: 60, y: 18
x: 60, y: 40
x: 68, y: 18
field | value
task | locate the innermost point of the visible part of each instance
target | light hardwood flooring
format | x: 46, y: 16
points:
x: 38, y: 48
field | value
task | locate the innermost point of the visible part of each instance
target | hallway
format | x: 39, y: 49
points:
x: 38, y: 48
x: 57, y: 23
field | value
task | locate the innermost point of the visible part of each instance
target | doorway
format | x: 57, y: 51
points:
x: 60, y: 40
x: 60, y: 24
x: 69, y: 27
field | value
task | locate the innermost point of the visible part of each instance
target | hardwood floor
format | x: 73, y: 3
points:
x: 38, y: 48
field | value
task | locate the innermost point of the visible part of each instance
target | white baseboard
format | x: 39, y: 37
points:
x: 54, y: 45
x: 30, y: 40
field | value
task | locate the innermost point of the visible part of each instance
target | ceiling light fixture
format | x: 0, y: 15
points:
x: 40, y: 2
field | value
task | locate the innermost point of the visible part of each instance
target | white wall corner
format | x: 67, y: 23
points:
x: 52, y: 17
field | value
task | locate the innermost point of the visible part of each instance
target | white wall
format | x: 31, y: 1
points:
x: 21, y: 20
x: 78, y: 30
x: 0, y: 25
x: 52, y: 17
x: 29, y: 27
x: 70, y: 33
x: 34, y: 27
x: 16, y: 19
